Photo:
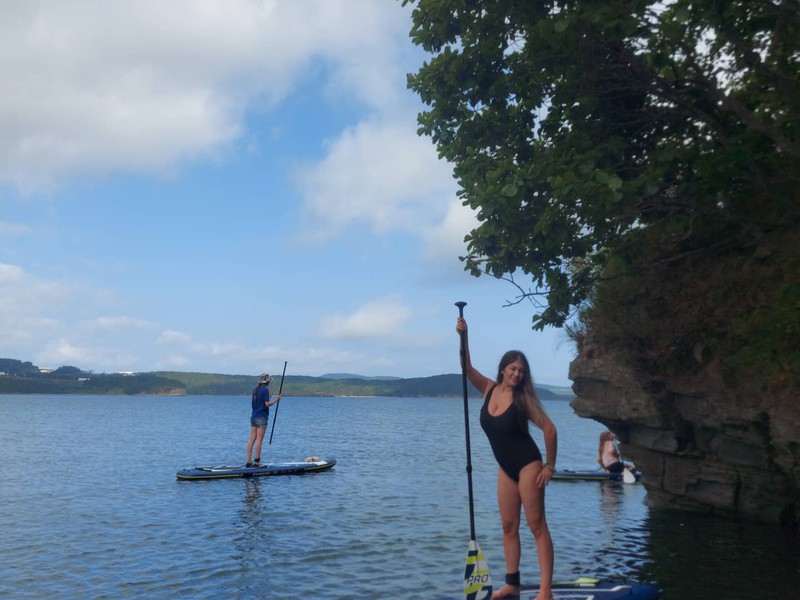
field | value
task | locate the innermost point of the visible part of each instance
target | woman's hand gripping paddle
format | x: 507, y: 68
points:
x: 278, y: 405
x: 477, y: 578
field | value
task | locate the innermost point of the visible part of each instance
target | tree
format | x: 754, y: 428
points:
x: 12, y: 366
x: 601, y: 139
x: 67, y: 372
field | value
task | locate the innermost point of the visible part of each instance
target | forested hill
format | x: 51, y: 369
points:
x: 25, y: 378
x: 297, y: 385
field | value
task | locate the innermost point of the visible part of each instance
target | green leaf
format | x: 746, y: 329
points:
x: 561, y: 25
x: 509, y: 190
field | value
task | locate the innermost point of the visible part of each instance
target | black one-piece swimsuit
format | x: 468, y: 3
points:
x: 510, y: 440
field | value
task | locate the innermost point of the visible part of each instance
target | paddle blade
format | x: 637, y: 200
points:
x: 477, y: 579
x: 628, y: 476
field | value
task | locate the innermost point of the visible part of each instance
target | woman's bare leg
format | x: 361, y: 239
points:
x: 509, y: 503
x: 259, y: 441
x: 250, y: 443
x: 533, y: 501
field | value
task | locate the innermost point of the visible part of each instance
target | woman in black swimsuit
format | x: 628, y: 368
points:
x: 509, y: 403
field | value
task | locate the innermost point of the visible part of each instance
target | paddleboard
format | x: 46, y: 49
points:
x: 312, y: 464
x: 577, y: 475
x: 589, y: 588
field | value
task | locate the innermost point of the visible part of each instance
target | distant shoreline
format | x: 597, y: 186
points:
x: 69, y: 380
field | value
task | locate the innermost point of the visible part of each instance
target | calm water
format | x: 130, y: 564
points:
x: 90, y: 507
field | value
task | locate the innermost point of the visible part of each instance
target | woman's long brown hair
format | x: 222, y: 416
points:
x: 525, y: 397
x: 604, y: 437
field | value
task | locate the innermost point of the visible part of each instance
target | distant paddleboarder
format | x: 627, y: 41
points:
x: 608, y: 456
x: 259, y: 417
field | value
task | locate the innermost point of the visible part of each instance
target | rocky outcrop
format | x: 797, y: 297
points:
x: 702, y: 444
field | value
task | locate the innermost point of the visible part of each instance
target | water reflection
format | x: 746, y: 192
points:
x: 697, y: 557
x: 252, y: 497
x: 252, y: 525
x: 611, y: 498
x: 390, y: 520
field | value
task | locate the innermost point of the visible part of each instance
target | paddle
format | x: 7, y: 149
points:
x: 278, y: 405
x: 627, y: 475
x: 477, y: 578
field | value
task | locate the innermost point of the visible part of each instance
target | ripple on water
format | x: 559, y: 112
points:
x: 392, y: 517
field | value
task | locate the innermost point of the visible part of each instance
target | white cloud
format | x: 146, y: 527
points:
x: 10, y: 274
x: 174, y: 362
x: 23, y: 295
x: 445, y: 241
x: 60, y: 352
x: 24, y: 332
x: 381, y: 174
x: 14, y: 229
x: 92, y: 87
x: 370, y: 47
x: 114, y: 325
x: 28, y: 308
x: 384, y: 318
x: 39, y: 321
x: 169, y: 337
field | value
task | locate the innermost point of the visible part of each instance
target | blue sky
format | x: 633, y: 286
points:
x: 225, y: 185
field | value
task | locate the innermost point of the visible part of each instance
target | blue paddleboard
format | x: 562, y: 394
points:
x: 589, y: 588
x: 312, y: 464
x: 577, y: 475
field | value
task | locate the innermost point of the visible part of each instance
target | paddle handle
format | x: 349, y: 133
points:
x: 463, y: 352
x: 280, y: 389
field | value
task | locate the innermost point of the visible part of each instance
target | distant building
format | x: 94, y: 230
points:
x: 126, y: 373
x: 46, y: 370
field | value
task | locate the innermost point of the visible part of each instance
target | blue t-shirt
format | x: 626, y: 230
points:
x: 260, y: 398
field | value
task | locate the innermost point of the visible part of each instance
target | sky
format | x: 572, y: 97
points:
x: 223, y: 186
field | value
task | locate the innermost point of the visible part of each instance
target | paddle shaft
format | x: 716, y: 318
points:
x: 619, y: 452
x: 463, y: 352
x: 278, y: 405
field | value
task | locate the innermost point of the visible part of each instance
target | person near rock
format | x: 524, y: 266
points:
x: 608, y: 456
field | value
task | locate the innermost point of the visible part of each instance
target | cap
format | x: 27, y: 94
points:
x: 264, y: 378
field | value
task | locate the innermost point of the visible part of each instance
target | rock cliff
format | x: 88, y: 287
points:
x: 701, y: 443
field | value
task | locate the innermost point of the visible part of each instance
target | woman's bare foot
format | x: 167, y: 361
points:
x: 507, y: 591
